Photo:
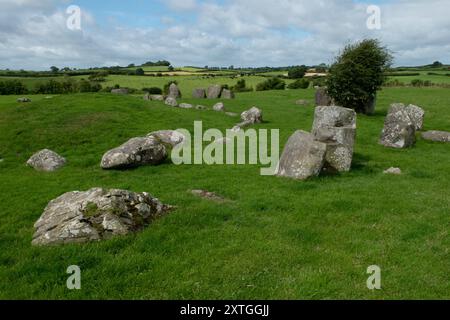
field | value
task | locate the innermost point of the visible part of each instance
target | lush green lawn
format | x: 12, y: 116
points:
x: 278, y: 239
x: 438, y: 77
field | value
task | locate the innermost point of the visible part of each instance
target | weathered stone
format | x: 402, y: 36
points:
x: 199, y: 94
x: 336, y: 126
x: 415, y: 113
x: 174, y: 92
x: 392, y: 170
x: 172, y: 102
x: 303, y: 156
x: 437, y: 136
x: 227, y: 94
x: 120, y: 91
x: 302, y: 102
x: 154, y: 97
x: 231, y: 114
x: 208, y: 195
x: 46, y: 160
x: 219, y: 107
x: 185, y: 106
x: 214, y: 91
x: 200, y: 107
x: 322, y: 97
x: 23, y: 100
x: 254, y: 115
x: 96, y: 214
x: 399, y: 130
x: 135, y: 152
x: 168, y: 137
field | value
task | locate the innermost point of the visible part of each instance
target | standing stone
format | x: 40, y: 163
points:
x: 46, y: 160
x: 174, y: 92
x: 135, y: 152
x: 336, y: 127
x: 172, y: 102
x: 303, y: 157
x: 214, y: 91
x: 219, y: 107
x: 322, y: 98
x: 415, y: 113
x: 120, y: 91
x: 399, y: 130
x: 227, y: 94
x: 96, y: 214
x: 437, y: 136
x: 199, y: 94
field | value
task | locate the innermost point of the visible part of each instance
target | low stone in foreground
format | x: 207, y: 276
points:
x: 171, y: 102
x: 135, y: 152
x: 437, y: 136
x: 96, y: 214
x: 303, y: 157
x: 46, y: 160
x: 394, y: 171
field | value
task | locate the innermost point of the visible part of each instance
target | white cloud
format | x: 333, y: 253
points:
x: 33, y: 34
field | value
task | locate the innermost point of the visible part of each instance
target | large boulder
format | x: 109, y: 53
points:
x: 322, y: 97
x: 171, y: 102
x: 336, y: 127
x: 303, y: 157
x: 174, y: 92
x: 46, y: 160
x: 199, y: 94
x: 96, y: 214
x: 415, y: 113
x: 227, y: 94
x: 168, y: 137
x: 135, y: 152
x: 214, y: 91
x: 437, y: 136
x: 399, y: 130
x: 254, y: 115
x: 120, y: 91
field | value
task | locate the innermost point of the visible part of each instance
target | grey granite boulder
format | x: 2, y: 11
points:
x: 199, y: 94
x: 171, y: 102
x: 135, y: 152
x: 399, y: 130
x: 219, y: 107
x: 437, y: 136
x: 214, y: 91
x: 174, y: 92
x: 227, y: 94
x: 303, y: 157
x: 253, y: 115
x: 415, y: 113
x: 96, y: 214
x: 322, y: 97
x: 168, y: 137
x: 185, y: 106
x: 46, y: 160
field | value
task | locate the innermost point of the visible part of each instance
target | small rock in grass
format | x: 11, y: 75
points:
x: 120, y: 91
x: 185, y: 106
x: 437, y: 136
x: 219, y: 107
x: 172, y: 102
x: 23, y: 100
x: 209, y: 196
x: 392, y: 170
x: 302, y: 102
x: 46, y: 160
x: 200, y: 107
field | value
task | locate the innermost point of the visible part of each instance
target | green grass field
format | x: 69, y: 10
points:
x: 278, y: 239
x: 439, y: 77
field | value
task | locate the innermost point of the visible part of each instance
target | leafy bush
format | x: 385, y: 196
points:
x: 167, y: 85
x: 153, y: 90
x: 297, y: 72
x: 358, y: 73
x: 319, y: 82
x: 299, y: 84
x: 12, y: 87
x: 139, y: 72
x: 241, y: 86
x: 271, y: 84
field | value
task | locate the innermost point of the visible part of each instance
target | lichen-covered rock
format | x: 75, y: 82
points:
x: 120, y: 91
x: 437, y: 136
x: 46, y: 160
x: 322, y: 98
x: 415, y: 113
x: 154, y: 97
x: 172, y: 102
x: 399, y: 130
x: 219, y: 107
x: 214, y: 91
x: 135, y: 152
x: 227, y: 94
x: 336, y: 126
x: 174, y: 92
x: 394, y: 171
x: 254, y: 115
x: 199, y: 93
x: 303, y: 156
x: 169, y: 137
x: 185, y: 106
x: 96, y: 214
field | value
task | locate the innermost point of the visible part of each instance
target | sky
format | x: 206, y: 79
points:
x: 245, y: 33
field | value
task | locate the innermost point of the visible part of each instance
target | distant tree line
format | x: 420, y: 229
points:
x: 16, y: 87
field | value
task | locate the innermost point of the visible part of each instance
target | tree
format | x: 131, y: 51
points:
x: 437, y: 64
x: 54, y: 69
x: 297, y: 72
x: 357, y: 74
x: 140, y: 72
x: 170, y: 68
